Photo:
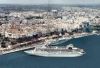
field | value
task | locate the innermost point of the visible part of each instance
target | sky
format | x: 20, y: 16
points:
x: 49, y: 1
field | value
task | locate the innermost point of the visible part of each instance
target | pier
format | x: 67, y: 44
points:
x: 31, y: 45
x: 21, y: 47
x: 18, y: 49
x: 26, y: 45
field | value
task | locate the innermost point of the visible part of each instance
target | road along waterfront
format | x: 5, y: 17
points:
x: 46, y: 42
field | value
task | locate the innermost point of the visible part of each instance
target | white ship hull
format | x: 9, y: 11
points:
x: 54, y: 54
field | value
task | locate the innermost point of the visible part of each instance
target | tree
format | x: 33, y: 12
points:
x: 3, y: 44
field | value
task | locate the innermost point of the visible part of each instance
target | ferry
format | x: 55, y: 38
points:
x: 57, y: 51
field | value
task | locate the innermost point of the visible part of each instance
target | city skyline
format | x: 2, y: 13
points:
x: 49, y: 1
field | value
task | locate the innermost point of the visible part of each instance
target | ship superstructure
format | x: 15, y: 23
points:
x: 57, y: 51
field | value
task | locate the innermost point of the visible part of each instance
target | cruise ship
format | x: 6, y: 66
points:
x: 57, y: 51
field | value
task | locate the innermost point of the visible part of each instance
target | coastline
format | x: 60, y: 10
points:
x: 47, y: 42
x: 73, y: 36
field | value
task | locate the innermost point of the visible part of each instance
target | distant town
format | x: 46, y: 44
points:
x: 26, y: 27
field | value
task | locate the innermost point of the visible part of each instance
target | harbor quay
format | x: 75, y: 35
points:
x: 49, y: 33
x: 44, y: 41
x: 25, y: 29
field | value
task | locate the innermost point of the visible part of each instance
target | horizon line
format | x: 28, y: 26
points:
x: 46, y: 4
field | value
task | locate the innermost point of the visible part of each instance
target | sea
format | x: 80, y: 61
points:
x: 91, y: 45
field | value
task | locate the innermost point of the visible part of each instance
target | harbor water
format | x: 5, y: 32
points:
x: 91, y: 45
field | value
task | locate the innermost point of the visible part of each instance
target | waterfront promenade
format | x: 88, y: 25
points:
x: 18, y: 49
x: 31, y: 45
